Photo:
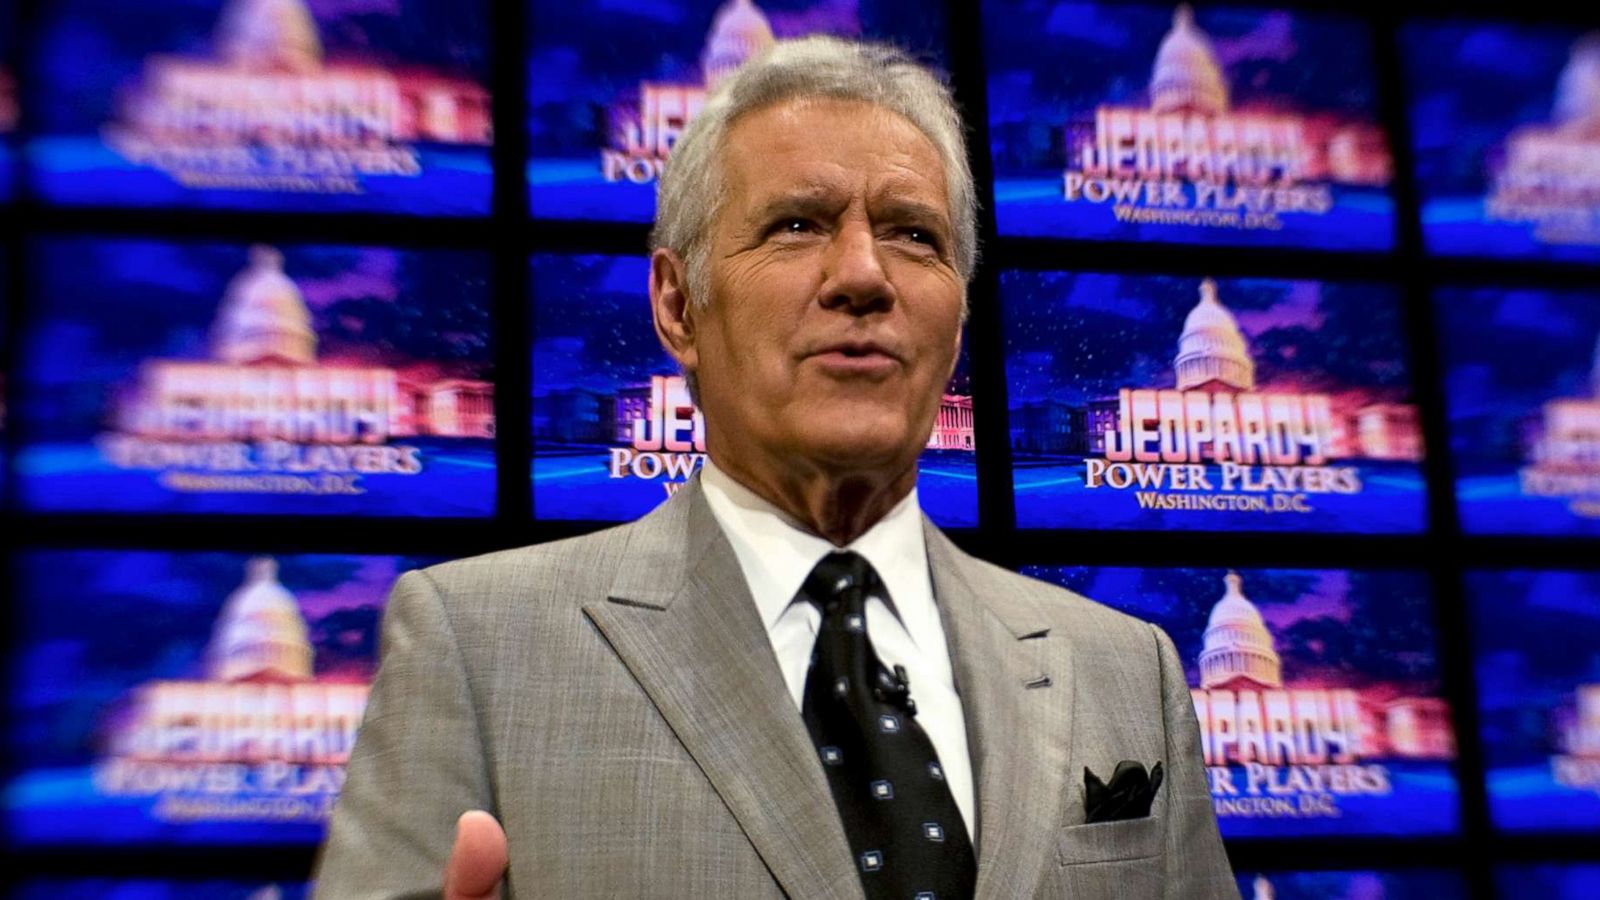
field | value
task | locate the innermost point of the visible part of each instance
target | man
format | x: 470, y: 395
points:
x: 784, y: 681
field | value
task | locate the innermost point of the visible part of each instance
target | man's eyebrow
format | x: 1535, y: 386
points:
x: 903, y: 209
x: 808, y: 204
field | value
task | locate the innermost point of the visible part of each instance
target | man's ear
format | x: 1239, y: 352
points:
x: 672, y: 308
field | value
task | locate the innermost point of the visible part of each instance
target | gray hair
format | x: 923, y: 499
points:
x: 690, y: 192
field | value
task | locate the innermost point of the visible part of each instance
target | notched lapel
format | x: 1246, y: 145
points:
x: 1017, y: 696
x: 683, y: 622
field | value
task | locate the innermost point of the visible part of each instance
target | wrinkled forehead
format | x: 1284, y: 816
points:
x: 814, y: 151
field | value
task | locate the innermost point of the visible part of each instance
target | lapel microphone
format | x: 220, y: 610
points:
x: 895, y: 688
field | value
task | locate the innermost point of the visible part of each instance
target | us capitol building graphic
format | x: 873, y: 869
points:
x: 1239, y: 656
x: 642, y: 134
x: 264, y: 381
x: 258, y: 738
x: 1212, y: 356
x: 1550, y: 175
x: 268, y: 111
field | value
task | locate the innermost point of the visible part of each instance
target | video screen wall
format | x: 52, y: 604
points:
x: 614, y: 429
x: 1505, y: 121
x: 1522, y: 395
x: 1536, y: 642
x: 1207, y: 124
x: 1314, y: 282
x: 1318, y: 692
x: 612, y: 86
x: 294, y: 106
x: 194, y: 698
x: 217, y: 378
x: 1151, y: 402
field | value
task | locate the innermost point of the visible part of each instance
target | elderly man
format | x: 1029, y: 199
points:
x: 784, y: 681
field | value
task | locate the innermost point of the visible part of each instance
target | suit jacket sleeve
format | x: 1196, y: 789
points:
x: 1197, y: 864
x: 418, y: 761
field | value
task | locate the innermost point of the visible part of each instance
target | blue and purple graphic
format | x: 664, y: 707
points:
x: 1150, y: 402
x: 610, y: 89
x: 1505, y: 124
x: 1158, y: 122
x: 1394, y: 884
x: 1536, y: 638
x: 1549, y: 881
x: 284, y: 105
x: 1318, y: 693
x: 614, y: 430
x: 1522, y: 397
x: 187, y: 698
x: 9, y: 105
x: 160, y: 377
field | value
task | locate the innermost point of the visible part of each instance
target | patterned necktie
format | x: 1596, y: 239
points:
x: 903, y: 824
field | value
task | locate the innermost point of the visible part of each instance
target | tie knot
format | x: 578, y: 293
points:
x: 837, y: 574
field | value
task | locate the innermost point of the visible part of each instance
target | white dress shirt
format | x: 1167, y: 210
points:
x: 777, y: 555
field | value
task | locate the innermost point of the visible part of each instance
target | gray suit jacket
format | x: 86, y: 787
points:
x: 614, y: 701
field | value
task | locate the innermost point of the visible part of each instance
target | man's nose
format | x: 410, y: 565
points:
x: 855, y: 279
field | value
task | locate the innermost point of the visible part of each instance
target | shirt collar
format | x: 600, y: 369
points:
x: 777, y: 554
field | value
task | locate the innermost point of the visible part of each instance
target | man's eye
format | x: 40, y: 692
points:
x: 791, y: 226
x: 922, y: 236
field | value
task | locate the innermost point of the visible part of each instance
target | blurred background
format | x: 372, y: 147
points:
x: 1286, y: 337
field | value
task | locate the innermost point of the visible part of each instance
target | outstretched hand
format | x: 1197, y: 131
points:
x: 478, y: 860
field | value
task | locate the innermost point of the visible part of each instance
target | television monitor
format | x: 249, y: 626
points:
x: 1216, y: 125
x: 179, y: 377
x: 156, y: 889
x: 1548, y: 881
x: 1318, y: 693
x: 10, y: 105
x: 1536, y: 650
x: 1151, y: 402
x: 1505, y: 127
x: 614, y: 430
x: 163, y: 698
x: 280, y: 105
x: 611, y: 86
x: 1521, y: 369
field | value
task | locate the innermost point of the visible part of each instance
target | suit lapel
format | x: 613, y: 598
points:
x: 681, y: 618
x: 1017, y: 699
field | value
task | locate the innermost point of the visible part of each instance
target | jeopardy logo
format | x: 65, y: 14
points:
x: 266, y: 110
x: 264, y: 416
x: 1297, y: 751
x: 1190, y: 158
x: 1564, y: 450
x: 1578, y: 766
x: 1214, y: 442
x: 259, y: 740
x: 1548, y: 175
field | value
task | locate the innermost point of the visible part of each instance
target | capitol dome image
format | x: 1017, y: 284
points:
x: 739, y: 31
x: 269, y: 35
x: 1577, y: 105
x: 1187, y: 77
x: 263, y: 316
x: 260, y: 634
x: 1212, y: 354
x: 1238, y: 651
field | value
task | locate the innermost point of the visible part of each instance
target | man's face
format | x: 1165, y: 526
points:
x: 834, y: 319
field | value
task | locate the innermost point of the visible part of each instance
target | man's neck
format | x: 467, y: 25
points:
x: 838, y: 507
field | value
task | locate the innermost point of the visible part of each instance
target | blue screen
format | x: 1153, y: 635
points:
x: 1507, y: 153
x: 1536, y: 638
x: 322, y: 107
x: 1151, y: 402
x: 225, y: 378
x: 1522, y: 396
x: 1222, y: 125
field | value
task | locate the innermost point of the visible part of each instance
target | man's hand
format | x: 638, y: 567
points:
x: 478, y: 860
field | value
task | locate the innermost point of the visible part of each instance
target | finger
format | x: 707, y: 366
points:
x: 478, y: 859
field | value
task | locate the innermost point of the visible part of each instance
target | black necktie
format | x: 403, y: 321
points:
x: 903, y: 825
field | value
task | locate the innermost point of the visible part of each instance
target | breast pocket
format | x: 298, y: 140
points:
x: 1124, y: 839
